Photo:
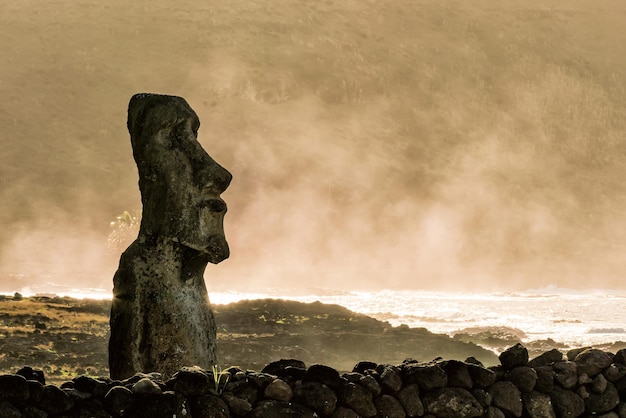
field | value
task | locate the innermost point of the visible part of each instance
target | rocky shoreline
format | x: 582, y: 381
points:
x: 579, y: 383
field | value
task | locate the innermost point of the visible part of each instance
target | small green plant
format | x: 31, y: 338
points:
x: 217, y: 378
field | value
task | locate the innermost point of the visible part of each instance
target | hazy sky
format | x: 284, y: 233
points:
x: 404, y: 144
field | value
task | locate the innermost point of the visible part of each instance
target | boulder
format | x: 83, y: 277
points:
x: 482, y: 377
x: 410, y: 400
x: 323, y: 374
x: 566, y: 374
x: 191, y: 382
x: 370, y: 383
x: 538, y: 405
x: 317, y: 396
x: 599, y: 403
x: 13, y: 387
x: 209, y: 406
x: 452, y: 403
x: 507, y: 397
x: 389, y: 407
x: 278, y: 409
x: 279, y: 390
x: 286, y: 368
x: 117, y: 400
x: 592, y: 361
x: 545, y: 379
x: 615, y: 372
x: 566, y: 403
x: 523, y: 377
x: 458, y: 374
x: 7, y: 410
x: 427, y: 375
x: 237, y: 406
x: 546, y: 359
x: 32, y: 374
x: 514, y: 356
x: 54, y: 400
x: 359, y: 399
x: 494, y: 412
x: 390, y: 380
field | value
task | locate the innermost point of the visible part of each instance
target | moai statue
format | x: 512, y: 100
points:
x: 161, y: 318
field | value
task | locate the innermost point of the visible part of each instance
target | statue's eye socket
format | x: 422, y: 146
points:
x: 214, y: 205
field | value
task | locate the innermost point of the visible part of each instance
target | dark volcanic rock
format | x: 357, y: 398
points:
x: 592, y: 361
x: 427, y: 375
x: 277, y: 409
x: 317, y: 396
x: 54, y: 400
x: 237, y: 406
x: 13, y: 387
x: 192, y: 382
x: 359, y: 399
x: 342, y: 412
x: 87, y: 384
x: 370, y: 383
x: 615, y: 372
x: 35, y: 391
x: 515, y: 356
x: 483, y: 397
x: 323, y: 374
x: 31, y: 374
x: 483, y: 378
x: 538, y: 405
x: 566, y: 403
x: 209, y: 406
x: 599, y: 403
x: 363, y: 366
x: 546, y: 359
x: 566, y: 374
x: 545, y: 379
x: 494, y: 412
x: 452, y: 403
x: 7, y: 410
x: 280, y: 390
x: 118, y: 399
x: 458, y: 374
x: 523, y: 377
x: 286, y: 368
x: 507, y: 397
x: 410, y: 400
x: 389, y: 407
x: 390, y: 380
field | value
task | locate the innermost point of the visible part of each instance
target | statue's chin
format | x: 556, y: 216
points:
x: 215, y: 248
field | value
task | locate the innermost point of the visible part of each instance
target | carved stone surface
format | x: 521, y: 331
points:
x: 161, y: 318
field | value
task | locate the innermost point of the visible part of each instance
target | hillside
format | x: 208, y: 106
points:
x: 67, y: 337
x: 373, y: 139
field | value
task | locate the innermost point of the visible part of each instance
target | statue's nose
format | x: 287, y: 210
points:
x: 213, y: 176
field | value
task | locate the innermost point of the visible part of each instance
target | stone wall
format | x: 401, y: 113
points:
x: 579, y: 383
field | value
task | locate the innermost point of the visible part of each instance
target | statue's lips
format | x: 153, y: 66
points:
x: 215, y: 205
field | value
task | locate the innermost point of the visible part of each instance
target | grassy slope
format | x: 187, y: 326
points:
x: 503, y: 119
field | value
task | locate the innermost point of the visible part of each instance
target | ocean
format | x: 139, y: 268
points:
x: 576, y: 318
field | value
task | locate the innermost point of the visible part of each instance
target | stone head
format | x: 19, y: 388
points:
x: 180, y: 183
